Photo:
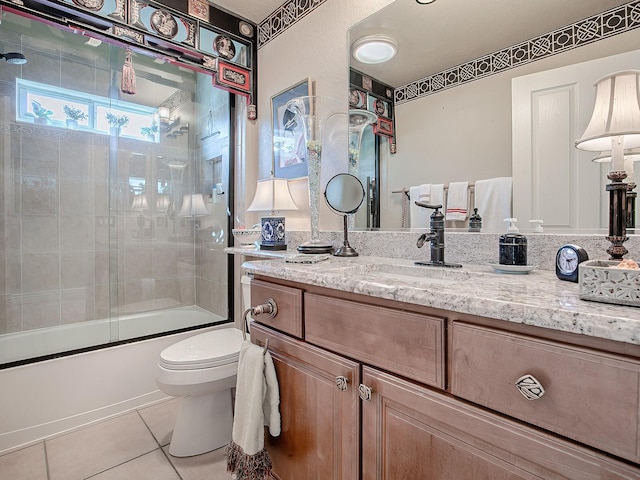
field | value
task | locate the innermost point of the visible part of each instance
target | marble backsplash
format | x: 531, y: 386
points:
x: 467, y: 248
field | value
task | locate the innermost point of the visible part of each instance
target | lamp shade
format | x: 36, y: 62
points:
x: 140, y: 203
x: 632, y: 154
x: 616, y: 113
x: 193, y: 205
x: 272, y: 194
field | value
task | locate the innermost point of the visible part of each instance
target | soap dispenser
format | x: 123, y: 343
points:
x: 513, y: 245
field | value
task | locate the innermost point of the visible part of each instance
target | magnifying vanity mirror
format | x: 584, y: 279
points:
x: 457, y: 118
x: 344, y: 194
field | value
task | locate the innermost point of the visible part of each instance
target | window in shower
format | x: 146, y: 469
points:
x: 98, y: 242
x: 91, y: 111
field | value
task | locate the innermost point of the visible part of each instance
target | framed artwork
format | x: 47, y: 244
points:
x: 289, y: 148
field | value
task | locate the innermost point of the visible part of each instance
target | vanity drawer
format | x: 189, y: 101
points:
x: 405, y: 343
x: 589, y: 396
x: 289, y: 303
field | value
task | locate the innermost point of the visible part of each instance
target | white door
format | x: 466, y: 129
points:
x: 552, y: 180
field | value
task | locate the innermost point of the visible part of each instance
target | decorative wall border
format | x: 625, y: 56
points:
x: 606, y: 24
x: 285, y: 16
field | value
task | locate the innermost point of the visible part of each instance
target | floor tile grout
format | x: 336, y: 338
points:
x: 158, y: 442
x: 46, y: 459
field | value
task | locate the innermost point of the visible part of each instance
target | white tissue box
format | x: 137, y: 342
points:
x: 601, y: 283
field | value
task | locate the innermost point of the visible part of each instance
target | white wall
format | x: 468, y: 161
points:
x: 316, y: 47
x: 45, y: 398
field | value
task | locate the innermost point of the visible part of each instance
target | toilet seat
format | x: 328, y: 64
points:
x: 206, y: 350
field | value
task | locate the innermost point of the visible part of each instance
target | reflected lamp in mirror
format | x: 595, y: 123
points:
x: 272, y: 195
x: 631, y: 156
x: 164, y: 114
x: 193, y: 206
x: 140, y: 203
x: 615, y: 126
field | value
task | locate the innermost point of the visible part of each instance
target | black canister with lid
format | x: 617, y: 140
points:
x: 513, y: 246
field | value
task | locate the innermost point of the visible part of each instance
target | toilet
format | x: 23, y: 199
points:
x: 202, y: 370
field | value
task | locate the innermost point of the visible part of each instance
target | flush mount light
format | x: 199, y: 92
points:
x: 425, y: 2
x: 14, y: 58
x: 374, y: 49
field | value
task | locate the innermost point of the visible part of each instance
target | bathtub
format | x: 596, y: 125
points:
x: 49, y: 397
x: 64, y: 338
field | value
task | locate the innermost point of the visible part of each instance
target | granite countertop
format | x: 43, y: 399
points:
x: 537, y: 298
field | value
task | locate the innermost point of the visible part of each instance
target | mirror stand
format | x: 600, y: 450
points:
x: 344, y: 195
x: 346, y: 250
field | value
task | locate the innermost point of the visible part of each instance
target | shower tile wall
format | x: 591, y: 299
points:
x: 57, y: 217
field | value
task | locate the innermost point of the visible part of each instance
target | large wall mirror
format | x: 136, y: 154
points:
x: 461, y: 124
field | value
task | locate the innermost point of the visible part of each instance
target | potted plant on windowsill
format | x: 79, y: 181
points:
x: 40, y: 114
x: 74, y: 115
x: 116, y: 122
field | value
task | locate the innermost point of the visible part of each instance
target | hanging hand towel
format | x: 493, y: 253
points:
x: 418, y: 216
x: 493, y: 201
x: 257, y: 401
x: 405, y: 208
x: 457, y: 201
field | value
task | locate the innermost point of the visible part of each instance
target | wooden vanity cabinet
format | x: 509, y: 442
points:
x: 319, y: 407
x: 397, y: 417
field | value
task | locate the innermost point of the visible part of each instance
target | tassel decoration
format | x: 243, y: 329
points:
x: 128, y: 84
x: 248, y: 467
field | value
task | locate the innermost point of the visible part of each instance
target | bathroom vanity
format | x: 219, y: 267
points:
x: 389, y: 371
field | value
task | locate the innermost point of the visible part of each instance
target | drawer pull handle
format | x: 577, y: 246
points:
x: 341, y: 383
x: 530, y: 387
x: 365, y: 392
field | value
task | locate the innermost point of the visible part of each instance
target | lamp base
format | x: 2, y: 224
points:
x: 281, y: 246
x: 617, y: 214
x: 273, y: 233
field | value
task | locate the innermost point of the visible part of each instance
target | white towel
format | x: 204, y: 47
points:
x: 419, y: 216
x: 493, y: 201
x: 257, y: 402
x: 405, y: 208
x: 437, y: 196
x: 457, y: 201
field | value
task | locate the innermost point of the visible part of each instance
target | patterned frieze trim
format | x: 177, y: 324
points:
x: 607, y: 24
x: 125, y: 32
x: 180, y: 97
x: 285, y: 16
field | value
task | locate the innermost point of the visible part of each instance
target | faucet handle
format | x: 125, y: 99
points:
x: 428, y: 205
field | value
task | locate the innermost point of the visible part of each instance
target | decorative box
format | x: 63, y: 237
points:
x: 600, y: 282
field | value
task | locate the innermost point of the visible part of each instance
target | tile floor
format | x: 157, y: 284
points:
x: 132, y: 446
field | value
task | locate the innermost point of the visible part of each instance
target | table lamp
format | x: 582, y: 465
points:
x: 631, y: 156
x: 272, y: 195
x: 615, y: 126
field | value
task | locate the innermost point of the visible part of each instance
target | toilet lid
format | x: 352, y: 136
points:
x: 210, y: 349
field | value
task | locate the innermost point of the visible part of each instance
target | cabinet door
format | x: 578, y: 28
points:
x: 320, y: 422
x: 409, y: 431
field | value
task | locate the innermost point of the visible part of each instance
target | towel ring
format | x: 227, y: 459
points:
x: 270, y: 307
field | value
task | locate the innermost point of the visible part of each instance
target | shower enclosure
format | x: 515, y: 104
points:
x: 113, y: 206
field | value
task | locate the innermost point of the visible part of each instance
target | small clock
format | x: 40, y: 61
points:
x: 567, y: 260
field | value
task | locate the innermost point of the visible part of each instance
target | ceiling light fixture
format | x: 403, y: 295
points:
x: 425, y: 2
x: 374, y: 49
x: 14, y: 58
